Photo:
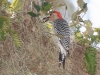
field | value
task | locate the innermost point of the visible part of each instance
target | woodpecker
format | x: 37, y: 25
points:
x: 61, y: 28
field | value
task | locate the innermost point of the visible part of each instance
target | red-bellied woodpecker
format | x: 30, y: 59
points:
x: 61, y: 28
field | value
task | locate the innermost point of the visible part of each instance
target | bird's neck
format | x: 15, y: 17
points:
x: 57, y: 19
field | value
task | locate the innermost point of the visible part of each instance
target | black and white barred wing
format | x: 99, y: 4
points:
x: 62, y: 28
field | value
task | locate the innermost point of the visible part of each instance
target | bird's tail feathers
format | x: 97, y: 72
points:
x: 62, y: 58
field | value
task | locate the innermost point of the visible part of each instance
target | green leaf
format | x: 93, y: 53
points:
x: 16, y: 38
x: 33, y: 14
x: 1, y: 2
x: 88, y: 23
x: 45, y: 3
x: 80, y: 3
x: 75, y: 14
x: 85, y: 5
x: 78, y: 34
x: 37, y: 7
x: 46, y: 6
x: 93, y: 38
x: 97, y: 30
x: 90, y: 60
x: 2, y: 19
x: 2, y: 35
x: 16, y: 5
x: 1, y: 23
x: 88, y: 27
x: 66, y: 7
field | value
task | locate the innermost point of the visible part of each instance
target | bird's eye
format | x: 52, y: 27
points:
x: 50, y: 14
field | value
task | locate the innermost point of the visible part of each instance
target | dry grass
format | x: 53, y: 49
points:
x: 38, y: 54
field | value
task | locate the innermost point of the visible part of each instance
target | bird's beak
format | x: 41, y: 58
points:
x: 45, y: 19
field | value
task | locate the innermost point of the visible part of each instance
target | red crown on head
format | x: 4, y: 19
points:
x: 58, y: 14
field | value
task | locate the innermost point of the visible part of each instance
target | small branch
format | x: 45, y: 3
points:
x: 65, y: 13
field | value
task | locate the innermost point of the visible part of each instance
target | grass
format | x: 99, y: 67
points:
x: 90, y: 60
